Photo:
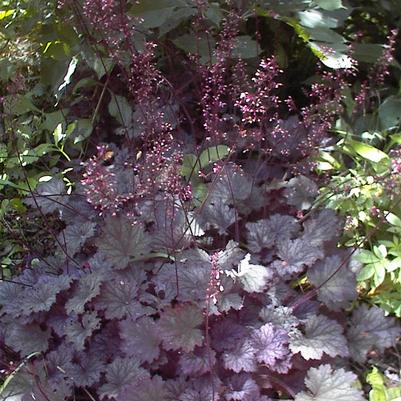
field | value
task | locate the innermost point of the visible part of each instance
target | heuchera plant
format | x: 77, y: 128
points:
x: 189, y: 267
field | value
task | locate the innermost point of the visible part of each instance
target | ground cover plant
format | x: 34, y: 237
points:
x: 167, y: 155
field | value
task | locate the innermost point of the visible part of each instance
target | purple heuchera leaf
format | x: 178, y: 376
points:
x: 340, y: 288
x: 106, y: 342
x: 270, y: 344
x: 178, y: 327
x: 119, y: 298
x: 230, y: 256
x: 171, y: 230
x: 280, y: 316
x: 321, y: 335
x: 45, y: 390
x: 321, y: 227
x: 174, y: 388
x: 371, y: 329
x: 271, y: 231
x: 8, y: 293
x: 42, y: 295
x: 50, y: 196
x: 227, y: 334
x: 242, y: 387
x: 120, y: 374
x: 295, y: 255
x: 191, y: 272
x: 215, y: 213
x: 198, y: 362
x: 88, y: 287
x: 149, y: 389
x: 326, y: 384
x: 254, y: 278
x: 75, y: 235
x: 140, y: 339
x: 228, y: 298
x: 205, y: 388
x: 27, y: 339
x: 78, y: 329
x: 58, y: 364
x: 300, y: 192
x: 87, y: 369
x: 240, y: 358
x: 122, y: 241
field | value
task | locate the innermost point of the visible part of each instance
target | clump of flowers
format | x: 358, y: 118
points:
x: 100, y: 184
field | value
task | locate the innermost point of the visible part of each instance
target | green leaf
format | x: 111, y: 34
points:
x: 18, y: 104
x: 329, y: 5
x: 67, y: 78
x: 214, y: 14
x: 367, y: 52
x: 155, y: 13
x: 245, y: 47
x: 366, y: 151
x: 6, y: 13
x: 390, y: 113
x: 81, y: 129
x: 380, y: 251
x: 394, y: 264
x: 58, y: 134
x: 366, y: 272
x: 213, y: 154
x: 331, y: 54
x: 100, y: 64
x: 380, y: 274
x: 393, y: 220
x: 121, y: 110
x: 376, y: 380
x: 202, y: 46
x: 187, y: 169
x: 3, y: 152
x: 365, y: 256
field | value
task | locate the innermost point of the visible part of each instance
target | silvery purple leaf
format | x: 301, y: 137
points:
x: 300, y: 192
x: 268, y: 232
x: 254, y: 278
x: 140, y: 338
x: 86, y: 371
x: 179, y: 327
x: 321, y: 227
x: 120, y: 374
x: 295, y: 255
x: 339, y: 287
x: 270, y: 344
x: 240, y: 358
x: 119, y: 298
x: 227, y: 334
x: 149, y: 389
x: 49, y: 196
x: 321, y: 335
x: 205, y: 388
x: 241, y: 387
x: 371, y: 329
x: 74, y: 236
x: 78, y: 329
x: 27, y: 339
x: 198, y: 362
x: 326, y: 384
x: 87, y: 288
x: 42, y: 295
x: 122, y: 241
x: 215, y: 213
